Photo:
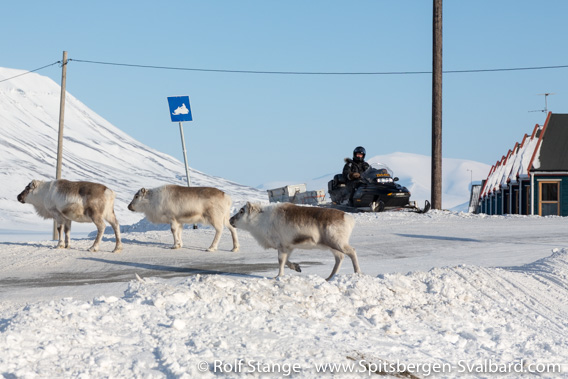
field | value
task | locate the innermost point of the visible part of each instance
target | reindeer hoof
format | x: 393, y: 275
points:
x: 94, y: 249
x: 117, y: 249
x: 295, y: 267
x: 212, y: 249
x: 235, y: 249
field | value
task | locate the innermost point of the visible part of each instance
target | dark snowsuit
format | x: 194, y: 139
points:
x: 352, y: 167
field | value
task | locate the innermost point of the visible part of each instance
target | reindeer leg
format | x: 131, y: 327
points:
x: 60, y: 232
x: 283, y: 255
x: 294, y: 266
x: 282, y: 259
x: 100, y: 231
x: 67, y: 229
x: 176, y: 231
x: 114, y: 223
x: 233, y: 235
x: 350, y: 252
x: 338, y: 259
x: 215, y: 243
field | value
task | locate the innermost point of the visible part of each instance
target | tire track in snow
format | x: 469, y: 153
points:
x: 533, y: 291
x: 544, y: 285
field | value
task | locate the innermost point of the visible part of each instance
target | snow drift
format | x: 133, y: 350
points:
x: 304, y: 325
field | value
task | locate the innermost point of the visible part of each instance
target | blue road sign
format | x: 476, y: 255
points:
x: 179, y: 108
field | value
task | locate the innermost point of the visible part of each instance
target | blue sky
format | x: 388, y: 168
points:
x: 257, y: 128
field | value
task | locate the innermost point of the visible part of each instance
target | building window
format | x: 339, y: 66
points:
x: 549, y: 200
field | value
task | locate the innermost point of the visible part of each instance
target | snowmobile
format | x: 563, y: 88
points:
x: 375, y: 191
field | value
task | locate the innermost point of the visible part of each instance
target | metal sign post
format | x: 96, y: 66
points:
x: 184, y: 153
x: 180, y: 111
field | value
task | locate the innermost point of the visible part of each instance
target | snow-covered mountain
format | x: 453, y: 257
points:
x: 93, y: 150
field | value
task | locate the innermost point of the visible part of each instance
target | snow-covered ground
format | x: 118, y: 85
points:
x: 444, y: 294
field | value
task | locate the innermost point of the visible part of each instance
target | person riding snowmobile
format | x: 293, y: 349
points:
x: 355, y: 167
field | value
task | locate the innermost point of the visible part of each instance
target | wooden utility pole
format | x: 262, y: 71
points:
x: 60, y: 138
x: 436, y: 190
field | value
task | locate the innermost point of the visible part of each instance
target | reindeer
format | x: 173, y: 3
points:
x: 285, y: 227
x: 66, y: 201
x: 177, y: 205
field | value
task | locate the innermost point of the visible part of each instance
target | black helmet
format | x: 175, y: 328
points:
x: 359, y: 150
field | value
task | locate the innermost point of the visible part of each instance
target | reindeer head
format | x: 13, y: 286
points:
x: 245, y: 214
x: 29, y: 189
x: 140, y: 195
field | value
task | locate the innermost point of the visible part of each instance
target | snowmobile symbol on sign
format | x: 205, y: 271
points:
x: 180, y: 109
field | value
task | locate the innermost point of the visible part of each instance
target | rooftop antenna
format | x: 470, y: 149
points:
x: 545, y: 110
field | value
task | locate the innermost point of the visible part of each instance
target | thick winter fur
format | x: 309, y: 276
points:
x: 285, y: 227
x: 66, y: 201
x: 177, y: 205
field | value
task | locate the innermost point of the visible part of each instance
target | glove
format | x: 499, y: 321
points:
x: 355, y: 175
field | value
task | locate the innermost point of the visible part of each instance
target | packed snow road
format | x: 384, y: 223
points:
x: 385, y: 243
x: 448, y: 294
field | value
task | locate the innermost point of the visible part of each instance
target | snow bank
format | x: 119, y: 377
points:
x: 475, y: 318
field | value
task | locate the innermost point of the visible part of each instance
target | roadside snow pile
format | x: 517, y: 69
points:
x: 456, y: 318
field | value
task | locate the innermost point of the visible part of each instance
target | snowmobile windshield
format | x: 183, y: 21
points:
x: 378, y: 173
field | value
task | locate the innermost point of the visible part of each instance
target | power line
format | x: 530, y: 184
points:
x: 29, y: 72
x: 506, y: 69
x: 293, y: 72
x: 235, y: 71
x: 317, y: 72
